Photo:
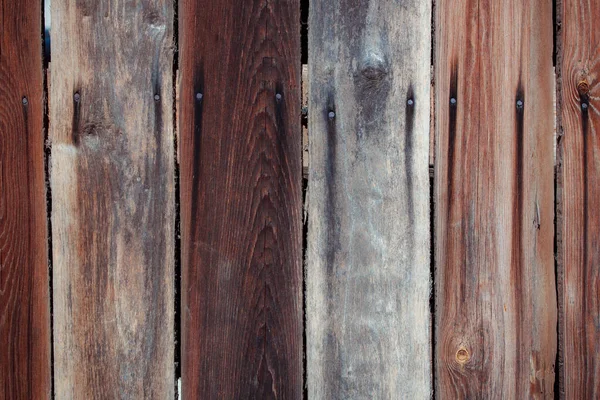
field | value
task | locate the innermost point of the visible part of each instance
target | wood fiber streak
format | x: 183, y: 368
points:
x: 241, y: 199
x: 368, y: 257
x: 112, y: 179
x: 495, y: 287
x: 579, y: 199
x: 24, y: 305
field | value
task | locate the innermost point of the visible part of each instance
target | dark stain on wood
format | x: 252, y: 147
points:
x: 330, y: 179
x: 517, y: 219
x: 453, y: 106
x: 76, y: 124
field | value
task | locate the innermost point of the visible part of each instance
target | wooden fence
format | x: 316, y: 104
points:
x: 159, y: 239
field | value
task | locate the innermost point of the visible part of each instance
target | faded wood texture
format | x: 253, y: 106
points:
x: 112, y: 181
x: 241, y: 199
x: 368, y: 260
x: 495, y: 287
x: 579, y: 199
x: 24, y: 305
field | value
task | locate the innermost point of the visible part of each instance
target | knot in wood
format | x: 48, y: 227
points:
x: 374, y: 70
x: 462, y: 356
x: 583, y: 87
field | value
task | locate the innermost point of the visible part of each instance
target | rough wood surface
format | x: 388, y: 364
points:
x: 241, y: 199
x: 579, y: 199
x: 24, y: 305
x: 112, y: 180
x: 368, y: 275
x: 495, y: 288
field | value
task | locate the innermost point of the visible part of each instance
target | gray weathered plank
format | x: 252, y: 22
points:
x: 112, y: 178
x: 368, y: 276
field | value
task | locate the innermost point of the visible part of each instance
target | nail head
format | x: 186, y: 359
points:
x: 410, y: 102
x: 519, y: 103
x: 584, y: 106
x: 278, y: 96
x: 77, y: 97
x: 331, y: 114
x: 156, y: 97
x: 25, y: 101
x: 453, y: 101
x: 199, y: 96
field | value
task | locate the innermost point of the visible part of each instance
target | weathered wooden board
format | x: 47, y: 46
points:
x: 367, y: 271
x: 241, y: 199
x: 495, y: 288
x: 112, y: 180
x: 24, y: 305
x: 579, y: 199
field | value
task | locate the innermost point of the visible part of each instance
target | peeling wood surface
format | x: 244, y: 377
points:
x: 579, y: 199
x: 24, y: 295
x: 241, y: 199
x: 368, y: 260
x: 495, y: 287
x: 112, y: 180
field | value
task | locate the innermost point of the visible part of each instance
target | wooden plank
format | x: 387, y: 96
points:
x: 112, y: 179
x: 241, y: 199
x: 495, y: 287
x: 368, y: 274
x: 24, y: 295
x: 579, y: 199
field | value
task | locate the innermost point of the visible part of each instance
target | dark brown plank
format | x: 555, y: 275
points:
x: 24, y: 295
x: 241, y: 208
x: 579, y: 198
x: 112, y: 177
x: 495, y: 284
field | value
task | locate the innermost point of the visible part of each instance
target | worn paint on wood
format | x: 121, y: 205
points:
x: 112, y: 179
x: 579, y: 199
x: 241, y: 199
x: 24, y: 305
x: 495, y: 287
x: 368, y: 275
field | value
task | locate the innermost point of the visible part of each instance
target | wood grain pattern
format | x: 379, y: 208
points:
x: 112, y: 179
x: 241, y: 199
x: 368, y: 277
x: 24, y: 305
x: 495, y: 287
x: 579, y: 199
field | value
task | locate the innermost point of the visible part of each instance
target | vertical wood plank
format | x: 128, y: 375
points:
x: 112, y: 178
x: 368, y: 277
x: 241, y: 199
x: 579, y: 199
x: 24, y: 295
x: 495, y: 286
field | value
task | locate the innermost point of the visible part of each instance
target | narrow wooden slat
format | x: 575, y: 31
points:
x: 368, y: 276
x: 495, y: 284
x: 241, y: 199
x: 579, y: 199
x: 24, y: 304
x: 112, y: 179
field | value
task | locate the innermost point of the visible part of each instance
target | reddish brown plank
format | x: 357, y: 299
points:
x: 24, y: 304
x: 579, y: 199
x: 113, y: 198
x: 241, y: 196
x: 495, y: 283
